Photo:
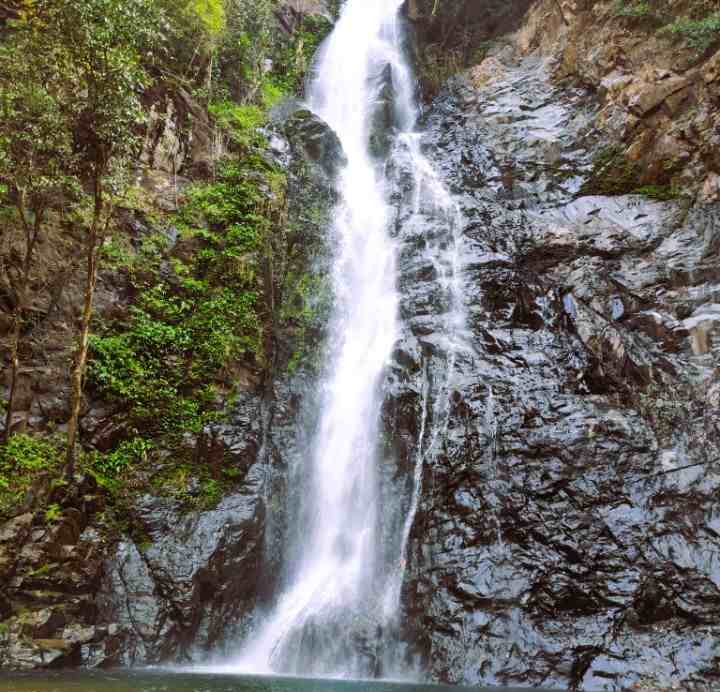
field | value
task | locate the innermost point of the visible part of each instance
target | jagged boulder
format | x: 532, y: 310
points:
x: 316, y: 140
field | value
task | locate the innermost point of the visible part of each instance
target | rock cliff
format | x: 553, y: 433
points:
x: 566, y: 527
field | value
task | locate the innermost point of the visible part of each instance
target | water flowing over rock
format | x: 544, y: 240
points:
x: 565, y: 532
x: 546, y: 459
x: 498, y: 461
x: 324, y: 620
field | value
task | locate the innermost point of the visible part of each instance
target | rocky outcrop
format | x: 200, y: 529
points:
x: 561, y: 407
x: 566, y: 533
x: 181, y: 143
x: 659, y: 98
x: 73, y: 595
x: 658, y: 94
x: 187, y: 579
x: 50, y: 570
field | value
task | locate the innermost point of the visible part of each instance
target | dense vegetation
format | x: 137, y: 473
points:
x: 73, y: 111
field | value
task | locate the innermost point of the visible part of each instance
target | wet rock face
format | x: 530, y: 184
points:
x: 567, y: 532
x: 71, y: 595
x: 178, y: 589
x: 317, y: 142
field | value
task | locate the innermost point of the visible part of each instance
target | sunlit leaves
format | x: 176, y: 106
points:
x: 209, y: 14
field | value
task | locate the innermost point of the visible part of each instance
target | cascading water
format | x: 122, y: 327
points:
x: 317, y: 623
x: 341, y: 597
x: 431, y: 206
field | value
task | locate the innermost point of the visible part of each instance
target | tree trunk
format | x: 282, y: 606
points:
x: 78, y: 372
x: 14, y: 367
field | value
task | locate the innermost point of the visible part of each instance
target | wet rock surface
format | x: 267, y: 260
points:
x: 193, y: 573
x: 50, y: 570
x: 567, y: 532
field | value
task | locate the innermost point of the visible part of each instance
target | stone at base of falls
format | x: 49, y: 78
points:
x: 48, y: 579
x: 69, y: 598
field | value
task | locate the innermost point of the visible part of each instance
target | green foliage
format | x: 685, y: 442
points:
x: 209, y: 14
x: 156, y: 371
x: 53, y: 513
x: 36, y: 135
x: 193, y: 30
x: 22, y: 459
x: 698, y: 29
x: 211, y: 492
x: 196, y: 487
x: 292, y: 60
x: 97, y: 48
x: 240, y: 121
x: 247, y: 45
x: 662, y: 193
x: 635, y: 10
x: 698, y: 34
x: 612, y: 174
x: 25, y: 453
x: 259, y: 64
x: 306, y: 301
x: 72, y: 76
x: 189, y: 325
x: 128, y: 453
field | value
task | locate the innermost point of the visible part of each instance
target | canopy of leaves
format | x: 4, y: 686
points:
x: 105, y: 42
x: 36, y: 148
x: 71, y: 79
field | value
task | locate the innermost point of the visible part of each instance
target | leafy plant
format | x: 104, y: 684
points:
x: 126, y: 454
x: 659, y: 192
x: 698, y: 34
x: 187, y: 327
x: 53, y: 513
x: 22, y: 459
x: 24, y: 453
x: 634, y: 10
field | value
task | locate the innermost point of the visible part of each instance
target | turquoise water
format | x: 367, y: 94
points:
x: 168, y: 682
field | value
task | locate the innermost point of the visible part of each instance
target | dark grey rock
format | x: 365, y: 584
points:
x: 317, y: 141
x: 562, y: 534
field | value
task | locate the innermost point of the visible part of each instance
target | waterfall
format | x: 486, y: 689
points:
x: 337, y: 614
x: 320, y: 622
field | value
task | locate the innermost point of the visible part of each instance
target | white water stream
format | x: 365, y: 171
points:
x: 337, y: 584
x: 336, y: 573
